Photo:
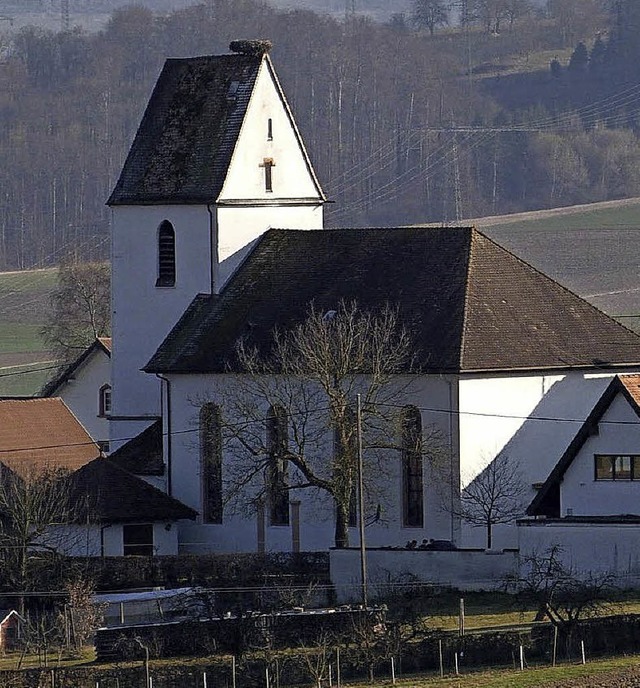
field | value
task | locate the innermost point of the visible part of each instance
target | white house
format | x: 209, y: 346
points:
x: 217, y: 160
x: 589, y: 505
x: 506, y: 354
x: 85, y: 387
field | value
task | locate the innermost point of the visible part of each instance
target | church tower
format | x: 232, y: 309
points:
x: 217, y: 160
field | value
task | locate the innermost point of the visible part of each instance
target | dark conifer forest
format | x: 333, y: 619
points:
x: 510, y: 107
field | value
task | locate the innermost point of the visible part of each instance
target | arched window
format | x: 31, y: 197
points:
x: 166, y: 255
x: 211, y: 462
x: 104, y: 400
x: 277, y: 469
x: 412, y: 492
x: 346, y: 446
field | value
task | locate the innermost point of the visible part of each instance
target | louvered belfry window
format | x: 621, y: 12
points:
x: 166, y: 255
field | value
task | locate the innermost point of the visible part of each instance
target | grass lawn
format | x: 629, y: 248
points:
x: 10, y: 662
x: 535, y: 676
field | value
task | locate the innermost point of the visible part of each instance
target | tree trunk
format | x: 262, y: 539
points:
x: 342, y: 526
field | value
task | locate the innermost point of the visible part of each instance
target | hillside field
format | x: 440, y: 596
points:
x: 25, y: 365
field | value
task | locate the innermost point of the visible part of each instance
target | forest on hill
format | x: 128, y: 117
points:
x: 402, y: 126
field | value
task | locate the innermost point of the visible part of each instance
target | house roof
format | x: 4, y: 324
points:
x: 143, y: 454
x: 469, y: 304
x: 107, y: 493
x: 183, y: 147
x: 53, y: 386
x: 629, y: 387
x: 36, y: 434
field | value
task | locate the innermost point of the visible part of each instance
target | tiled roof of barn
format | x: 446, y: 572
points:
x: 104, y: 492
x: 184, y: 144
x: 42, y: 434
x: 469, y: 304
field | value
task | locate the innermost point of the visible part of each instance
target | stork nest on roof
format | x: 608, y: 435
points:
x: 254, y: 48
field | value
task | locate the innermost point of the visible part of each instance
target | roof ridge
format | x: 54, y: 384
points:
x: 465, y: 307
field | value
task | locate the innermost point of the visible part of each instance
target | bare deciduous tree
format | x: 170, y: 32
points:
x: 80, y: 309
x: 430, y: 14
x: 307, y: 387
x: 34, y: 509
x: 562, y: 594
x: 494, y: 496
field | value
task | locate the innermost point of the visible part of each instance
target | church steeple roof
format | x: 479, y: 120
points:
x: 183, y: 147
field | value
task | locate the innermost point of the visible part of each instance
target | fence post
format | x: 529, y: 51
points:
x: 584, y: 659
x: 393, y: 671
x: 204, y: 679
x: 555, y: 645
x: 338, y: 676
x: 456, y: 663
x: 266, y: 676
x: 441, y: 658
x: 521, y: 657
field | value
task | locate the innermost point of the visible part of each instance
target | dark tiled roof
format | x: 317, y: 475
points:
x: 185, y: 141
x: 106, y: 493
x: 143, y: 454
x: 469, y: 304
x: 53, y: 386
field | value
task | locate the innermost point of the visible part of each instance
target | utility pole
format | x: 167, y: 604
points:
x: 363, y: 548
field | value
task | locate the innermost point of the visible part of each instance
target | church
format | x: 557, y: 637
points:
x: 218, y: 238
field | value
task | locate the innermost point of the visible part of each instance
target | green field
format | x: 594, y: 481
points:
x: 25, y: 364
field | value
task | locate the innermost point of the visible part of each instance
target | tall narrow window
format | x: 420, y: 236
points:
x: 166, y: 255
x: 412, y: 492
x: 277, y: 469
x: 104, y: 400
x: 269, y: 129
x: 346, y: 446
x: 211, y: 462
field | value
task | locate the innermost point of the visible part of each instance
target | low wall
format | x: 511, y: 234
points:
x: 587, y: 547
x: 461, y: 569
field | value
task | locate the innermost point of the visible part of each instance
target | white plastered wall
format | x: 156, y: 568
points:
x: 143, y: 314
x: 81, y: 394
x: 239, y: 531
x: 291, y: 175
x: 497, y: 416
x: 580, y: 493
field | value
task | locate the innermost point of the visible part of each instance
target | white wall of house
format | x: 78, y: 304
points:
x: 95, y: 540
x: 462, y: 569
x: 498, y: 415
x: 81, y: 394
x: 580, y: 493
x: 239, y: 531
x: 588, y: 548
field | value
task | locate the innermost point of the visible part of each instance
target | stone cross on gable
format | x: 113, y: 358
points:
x: 268, y: 164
